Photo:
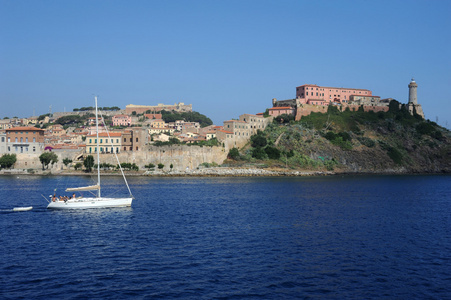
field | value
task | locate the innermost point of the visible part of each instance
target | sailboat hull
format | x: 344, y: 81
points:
x: 85, y: 203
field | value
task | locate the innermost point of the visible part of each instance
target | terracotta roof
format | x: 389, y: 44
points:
x: 280, y: 108
x: 225, y: 131
x: 104, y: 134
x: 23, y: 128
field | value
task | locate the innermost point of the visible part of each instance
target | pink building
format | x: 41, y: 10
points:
x: 122, y: 120
x: 321, y: 95
x: 277, y: 111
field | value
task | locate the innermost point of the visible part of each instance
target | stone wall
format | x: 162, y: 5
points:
x: 181, y: 156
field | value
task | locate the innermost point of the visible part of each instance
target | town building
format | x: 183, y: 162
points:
x: 108, y: 143
x: 282, y: 110
x: 122, y: 120
x: 24, y: 140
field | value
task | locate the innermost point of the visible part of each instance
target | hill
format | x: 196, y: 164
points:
x: 352, y: 141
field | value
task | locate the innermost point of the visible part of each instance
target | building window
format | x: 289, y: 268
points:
x: 106, y: 141
x: 26, y: 140
x: 17, y: 139
x: 117, y: 141
x: 136, y: 139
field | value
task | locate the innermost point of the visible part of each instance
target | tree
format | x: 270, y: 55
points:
x: 89, y: 163
x: 258, y: 140
x: 67, y: 161
x: 150, y: 166
x: 171, y: 166
x: 78, y: 166
x: 47, y: 158
x: 160, y: 166
x: 7, y: 160
x: 233, y: 154
x: 272, y: 152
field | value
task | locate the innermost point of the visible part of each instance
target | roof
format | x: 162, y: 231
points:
x: 225, y: 131
x: 24, y: 128
x: 104, y: 134
x: 281, y: 108
x: 236, y: 121
x: 329, y: 87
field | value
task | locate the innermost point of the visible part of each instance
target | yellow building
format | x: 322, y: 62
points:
x: 107, y: 144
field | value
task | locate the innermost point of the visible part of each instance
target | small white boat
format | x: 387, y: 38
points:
x: 23, y: 208
x: 92, y: 202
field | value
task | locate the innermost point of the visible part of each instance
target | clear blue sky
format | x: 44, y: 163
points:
x: 225, y: 57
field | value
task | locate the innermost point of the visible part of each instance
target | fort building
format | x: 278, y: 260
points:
x: 142, y: 109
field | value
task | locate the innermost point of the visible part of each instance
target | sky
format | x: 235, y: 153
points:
x: 225, y: 58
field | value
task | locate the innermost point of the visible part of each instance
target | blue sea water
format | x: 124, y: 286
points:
x: 351, y: 237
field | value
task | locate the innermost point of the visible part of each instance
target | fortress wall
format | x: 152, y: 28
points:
x: 181, y: 156
x: 306, y: 109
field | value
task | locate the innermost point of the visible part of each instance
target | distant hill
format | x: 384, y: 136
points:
x: 353, y: 142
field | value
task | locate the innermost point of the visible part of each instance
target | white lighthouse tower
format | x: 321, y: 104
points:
x: 413, y: 102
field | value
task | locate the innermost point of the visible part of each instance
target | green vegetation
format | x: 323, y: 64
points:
x: 7, y: 160
x: 234, y: 153
x: 67, y: 161
x: 128, y: 167
x: 192, y: 116
x: 150, y: 166
x: 47, y: 158
x: 89, y: 108
x: 69, y: 120
x: 89, y: 163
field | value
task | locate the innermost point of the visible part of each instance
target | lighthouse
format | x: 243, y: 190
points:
x: 413, y: 101
x: 413, y: 92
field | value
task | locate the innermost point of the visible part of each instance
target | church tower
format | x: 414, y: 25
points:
x: 413, y: 102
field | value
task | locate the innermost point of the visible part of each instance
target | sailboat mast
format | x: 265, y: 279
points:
x: 98, y: 151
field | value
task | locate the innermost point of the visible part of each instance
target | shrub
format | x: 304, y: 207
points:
x: 272, y: 152
x: 259, y: 153
x: 366, y: 141
x: 160, y: 166
x: 234, y: 154
x: 150, y: 166
x: 395, y: 155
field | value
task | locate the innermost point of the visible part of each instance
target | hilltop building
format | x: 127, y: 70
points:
x: 313, y: 98
x: 142, y: 109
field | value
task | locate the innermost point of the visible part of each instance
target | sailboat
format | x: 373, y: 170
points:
x: 97, y: 201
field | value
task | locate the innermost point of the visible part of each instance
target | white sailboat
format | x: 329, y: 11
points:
x: 92, y: 202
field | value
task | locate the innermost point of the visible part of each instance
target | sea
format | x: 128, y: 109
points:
x: 334, y: 237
